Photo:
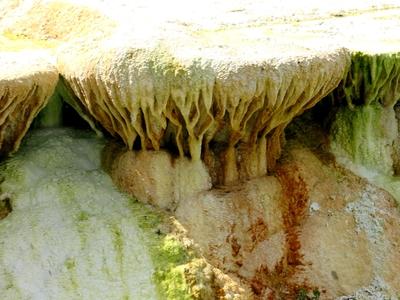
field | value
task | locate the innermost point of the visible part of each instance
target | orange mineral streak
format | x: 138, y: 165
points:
x: 278, y: 283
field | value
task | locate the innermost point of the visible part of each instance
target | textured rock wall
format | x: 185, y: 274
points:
x: 70, y: 234
x: 233, y: 120
x: 372, y: 78
x: 27, y: 80
x: 206, y: 101
x: 365, y: 132
x: 312, y: 225
x: 366, y: 135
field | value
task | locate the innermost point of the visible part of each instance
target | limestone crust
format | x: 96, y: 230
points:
x: 200, y: 93
x: 27, y: 80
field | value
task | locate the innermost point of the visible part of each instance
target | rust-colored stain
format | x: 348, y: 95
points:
x: 235, y: 247
x: 295, y: 200
x: 258, y: 231
x: 294, y: 203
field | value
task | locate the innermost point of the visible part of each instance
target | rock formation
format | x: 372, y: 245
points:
x: 200, y: 105
x: 27, y: 81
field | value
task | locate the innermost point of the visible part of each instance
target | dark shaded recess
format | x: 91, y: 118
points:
x: 322, y: 115
x: 137, y: 144
x: 70, y: 105
x: 5, y: 206
x: 71, y: 118
x: 169, y: 141
x: 312, y: 128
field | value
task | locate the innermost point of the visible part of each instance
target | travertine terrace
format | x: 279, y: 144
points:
x: 240, y: 120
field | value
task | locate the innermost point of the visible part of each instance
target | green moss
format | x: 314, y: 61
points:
x: 71, y: 283
x: 11, y: 170
x: 371, y: 79
x: 70, y: 264
x: 365, y: 135
x: 83, y: 216
x: 173, y: 284
x: 119, y: 247
x: 51, y: 115
x: 168, y: 254
x: 172, y: 251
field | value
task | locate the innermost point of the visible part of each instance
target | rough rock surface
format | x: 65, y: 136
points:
x: 69, y: 234
x: 220, y: 87
x: 312, y: 225
x: 27, y: 80
x: 200, y: 93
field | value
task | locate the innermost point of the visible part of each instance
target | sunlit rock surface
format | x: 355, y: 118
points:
x: 312, y: 225
x: 69, y: 234
x: 27, y: 80
x: 200, y: 93
x: 213, y: 81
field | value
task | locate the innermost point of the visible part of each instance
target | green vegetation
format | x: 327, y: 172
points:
x: 303, y: 294
x: 168, y: 254
x: 371, y: 79
x: 365, y: 135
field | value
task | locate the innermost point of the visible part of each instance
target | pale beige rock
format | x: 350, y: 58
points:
x: 169, y: 85
x: 156, y: 177
x: 27, y: 80
x: 352, y: 240
x: 312, y: 225
x: 230, y: 113
x: 217, y: 82
x: 232, y: 224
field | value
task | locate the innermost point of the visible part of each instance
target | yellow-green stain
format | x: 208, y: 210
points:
x: 70, y: 264
x: 365, y: 134
x: 365, y: 130
x: 72, y: 220
x: 168, y: 254
x: 118, y: 246
x: 371, y: 79
x: 83, y: 216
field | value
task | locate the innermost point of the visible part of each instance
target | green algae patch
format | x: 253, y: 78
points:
x: 365, y: 135
x: 173, y: 284
x: 51, y: 114
x: 371, y: 79
x: 180, y: 272
x: 69, y: 225
x: 364, y: 131
x: 168, y: 253
x: 80, y: 236
x: 170, y: 275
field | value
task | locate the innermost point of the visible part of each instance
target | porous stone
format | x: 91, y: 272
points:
x: 27, y: 80
x: 200, y: 94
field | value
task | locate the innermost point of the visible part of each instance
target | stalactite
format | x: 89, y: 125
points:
x: 153, y: 96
